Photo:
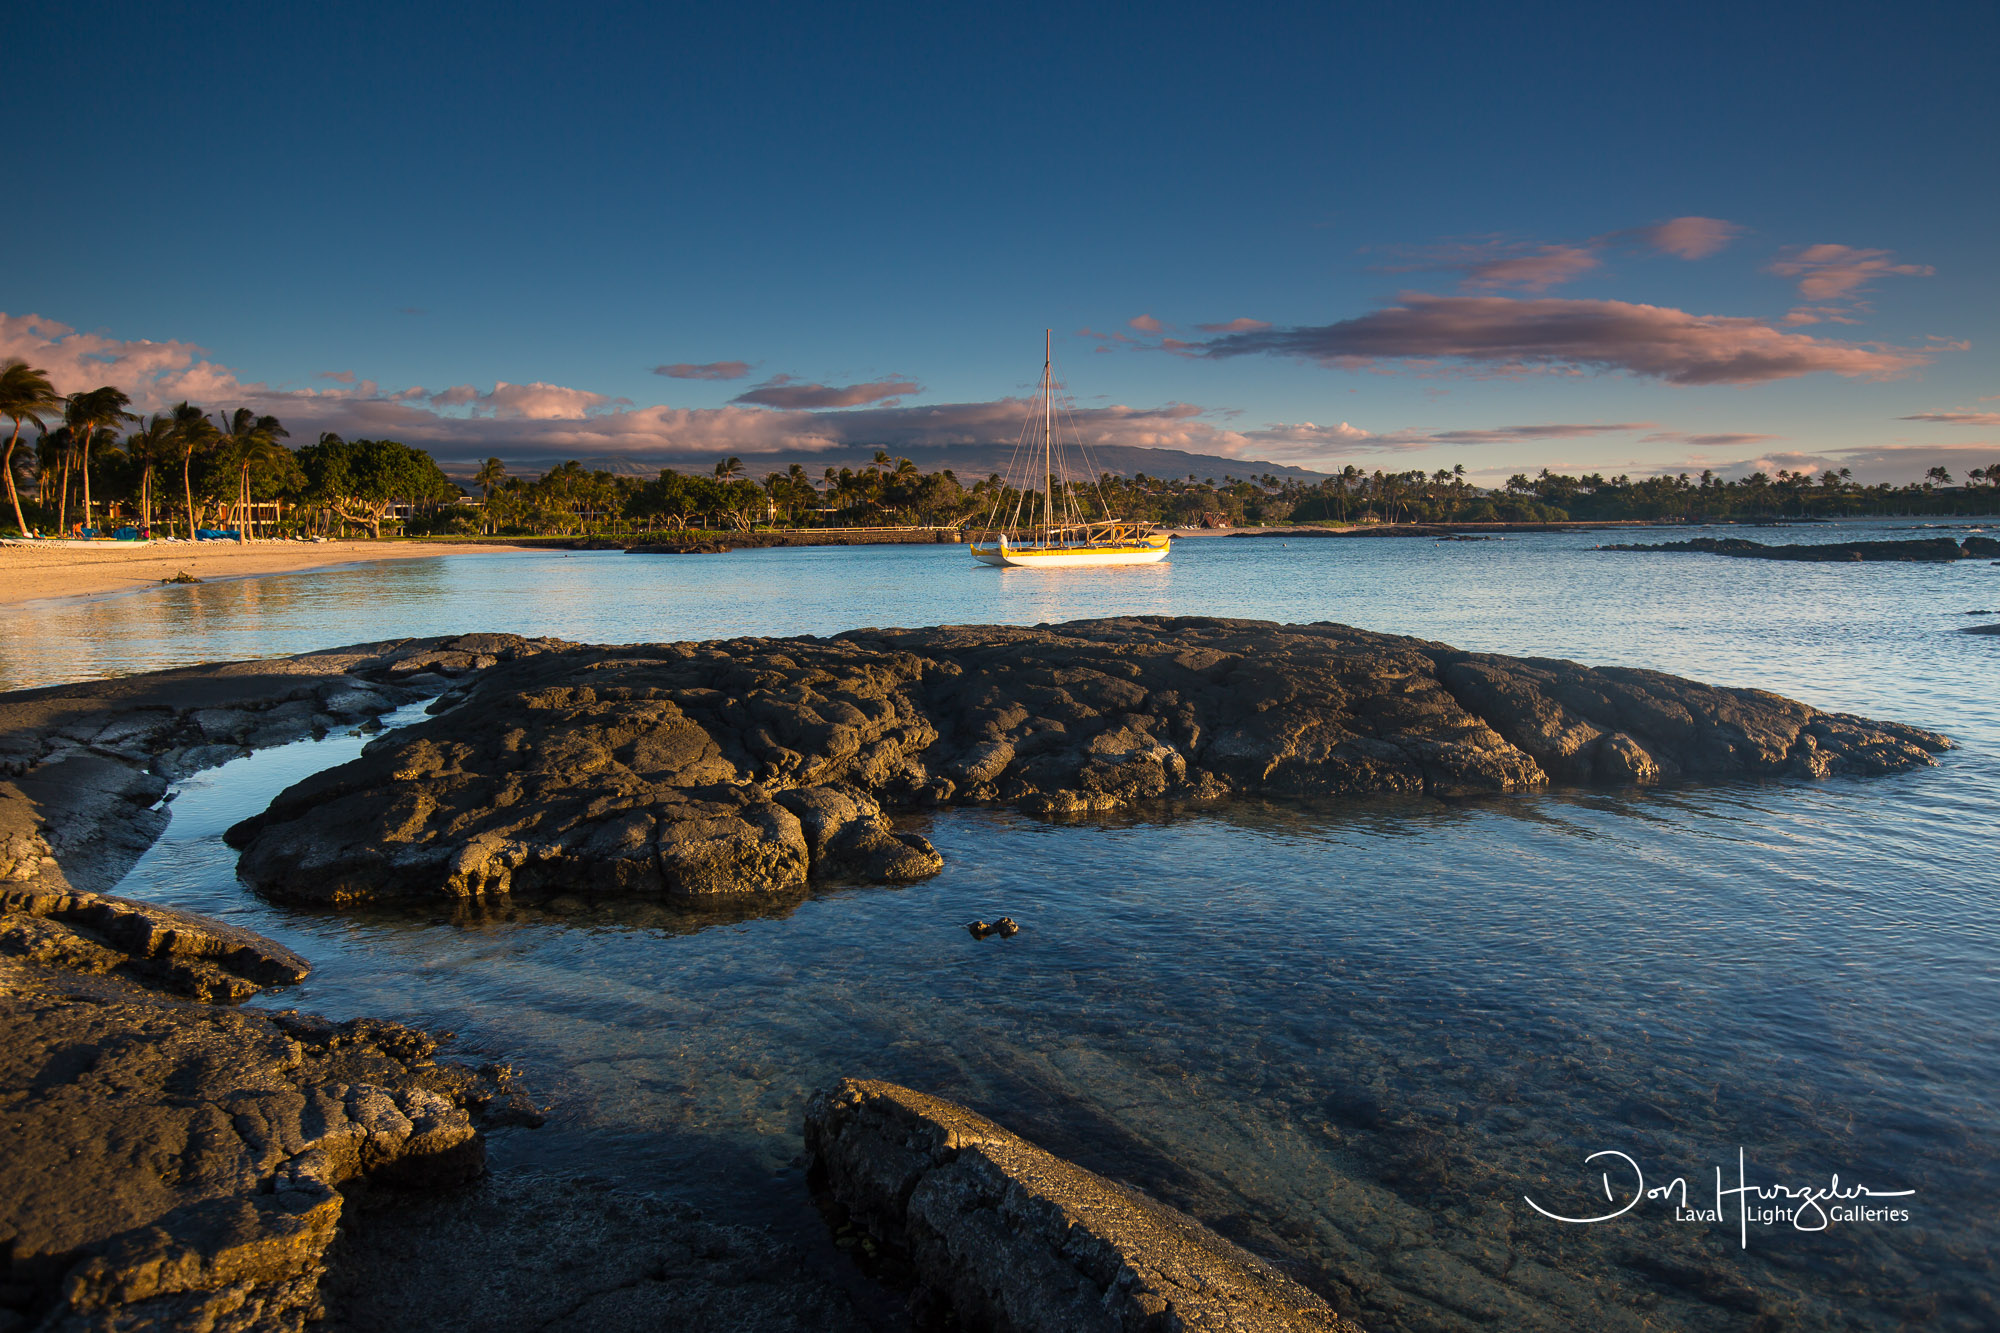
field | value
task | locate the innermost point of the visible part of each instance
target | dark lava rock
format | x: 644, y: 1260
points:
x: 750, y: 765
x: 83, y: 767
x: 172, y: 1165
x: 1003, y: 1235
x: 1928, y: 550
x: 690, y: 547
x: 98, y: 935
x: 164, y: 1163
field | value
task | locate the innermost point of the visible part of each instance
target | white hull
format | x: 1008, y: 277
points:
x: 1018, y: 558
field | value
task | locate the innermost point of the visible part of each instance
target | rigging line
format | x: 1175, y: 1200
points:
x: 1017, y: 460
x: 1093, y: 472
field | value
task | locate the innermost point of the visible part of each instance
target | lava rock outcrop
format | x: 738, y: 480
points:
x: 1001, y: 1234
x: 753, y: 765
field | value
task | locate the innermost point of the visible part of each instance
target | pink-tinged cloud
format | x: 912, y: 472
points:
x: 539, y: 402
x: 707, y: 370
x: 1518, y: 434
x: 337, y: 376
x: 1536, y: 271
x: 1690, y: 237
x: 1306, y: 440
x: 1724, y: 440
x: 1831, y: 272
x: 1489, y: 264
x: 1958, y: 418
x: 1144, y: 323
x: 1104, y: 340
x: 783, y: 391
x: 1236, y: 326
x: 155, y: 374
x: 1507, y: 335
x: 1814, y: 314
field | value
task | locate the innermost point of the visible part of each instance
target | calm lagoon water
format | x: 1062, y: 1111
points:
x: 1353, y: 1036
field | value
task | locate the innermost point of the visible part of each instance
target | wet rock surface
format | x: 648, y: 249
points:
x: 1926, y: 550
x: 97, y: 935
x: 999, y: 1234
x: 83, y: 767
x: 692, y: 771
x: 169, y: 1164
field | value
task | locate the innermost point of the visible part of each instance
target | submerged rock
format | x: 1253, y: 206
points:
x: 1002, y: 1235
x: 754, y: 765
x: 1926, y: 550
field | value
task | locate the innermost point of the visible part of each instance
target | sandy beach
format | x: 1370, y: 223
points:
x: 30, y: 571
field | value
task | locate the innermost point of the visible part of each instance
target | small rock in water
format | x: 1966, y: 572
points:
x: 979, y: 929
x: 1004, y: 928
x: 182, y: 577
x: 1981, y: 612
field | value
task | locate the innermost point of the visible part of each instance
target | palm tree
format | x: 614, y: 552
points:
x: 729, y: 469
x: 25, y: 394
x: 149, y: 446
x: 85, y: 415
x: 491, y: 473
x: 192, y: 433
x: 253, y: 440
x: 55, y: 455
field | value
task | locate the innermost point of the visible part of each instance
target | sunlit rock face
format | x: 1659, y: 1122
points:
x: 1001, y: 1234
x: 757, y: 765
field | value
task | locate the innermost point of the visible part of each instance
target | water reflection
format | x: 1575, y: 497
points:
x: 1351, y: 1034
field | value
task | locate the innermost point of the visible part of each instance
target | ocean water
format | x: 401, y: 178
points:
x: 1359, y: 1037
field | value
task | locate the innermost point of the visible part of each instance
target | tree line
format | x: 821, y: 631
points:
x: 188, y: 470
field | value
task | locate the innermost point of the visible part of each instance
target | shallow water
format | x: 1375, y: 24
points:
x: 1351, y: 1035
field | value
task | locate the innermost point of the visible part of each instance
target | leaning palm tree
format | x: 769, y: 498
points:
x: 86, y: 414
x: 253, y: 442
x: 729, y: 469
x: 25, y: 395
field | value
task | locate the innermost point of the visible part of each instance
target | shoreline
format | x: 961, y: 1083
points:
x: 33, y: 572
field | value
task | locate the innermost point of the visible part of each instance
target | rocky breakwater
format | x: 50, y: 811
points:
x: 754, y: 765
x: 999, y: 1234
x: 172, y: 1164
x: 1929, y: 550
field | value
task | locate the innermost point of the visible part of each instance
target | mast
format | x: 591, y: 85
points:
x: 1048, y: 436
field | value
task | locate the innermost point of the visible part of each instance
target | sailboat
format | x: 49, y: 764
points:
x: 1065, y: 537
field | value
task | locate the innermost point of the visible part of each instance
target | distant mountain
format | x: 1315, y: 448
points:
x: 970, y: 462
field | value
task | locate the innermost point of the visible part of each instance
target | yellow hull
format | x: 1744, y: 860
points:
x: 1071, y: 557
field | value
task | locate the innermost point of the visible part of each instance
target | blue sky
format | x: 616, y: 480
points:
x: 499, y: 219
